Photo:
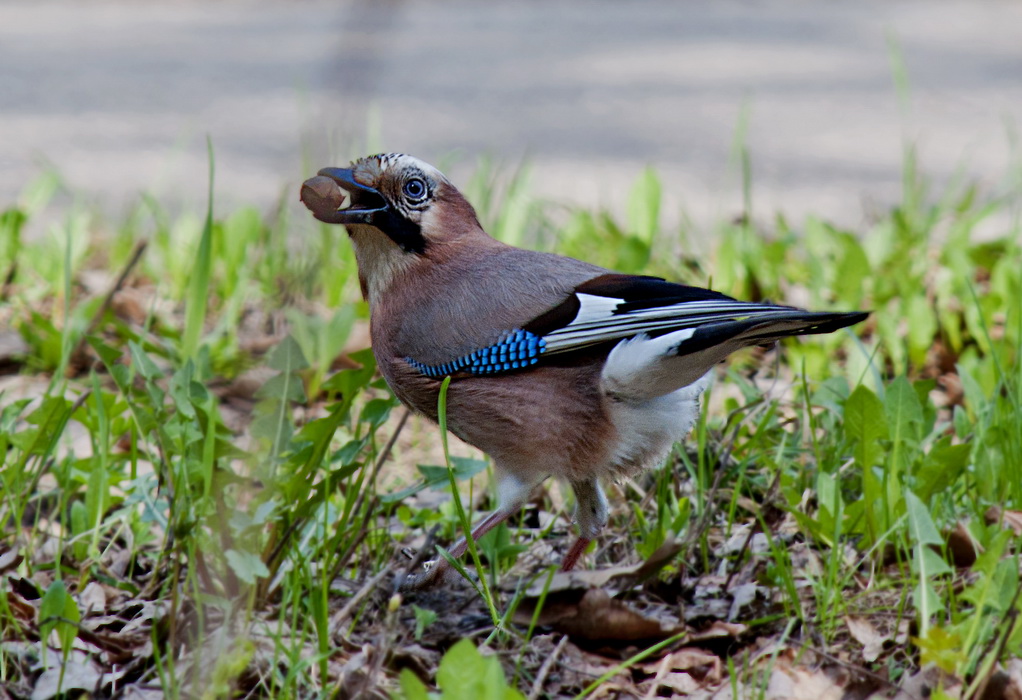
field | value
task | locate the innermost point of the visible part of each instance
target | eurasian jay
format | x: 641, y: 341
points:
x: 558, y: 367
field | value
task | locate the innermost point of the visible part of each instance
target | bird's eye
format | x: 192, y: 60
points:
x: 415, y: 188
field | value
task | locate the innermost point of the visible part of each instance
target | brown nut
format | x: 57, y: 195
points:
x: 321, y: 195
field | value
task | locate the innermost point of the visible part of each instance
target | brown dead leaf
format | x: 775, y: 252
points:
x: 1013, y: 690
x: 680, y: 684
x: 923, y: 683
x: 863, y: 631
x: 787, y: 682
x: 709, y: 599
x: 139, y: 692
x: 129, y: 303
x: 92, y: 599
x: 697, y: 662
x: 9, y: 558
x: 719, y: 630
x: 1008, y: 518
x: 741, y: 596
x: 79, y: 673
x: 963, y: 546
x: 25, y: 587
x: 593, y: 616
x: 21, y: 608
x: 802, y: 684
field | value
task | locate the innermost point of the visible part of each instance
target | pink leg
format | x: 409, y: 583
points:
x: 573, y: 555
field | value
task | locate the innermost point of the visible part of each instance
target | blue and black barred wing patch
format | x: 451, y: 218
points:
x: 516, y: 349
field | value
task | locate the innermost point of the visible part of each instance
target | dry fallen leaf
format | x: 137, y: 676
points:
x: 92, y: 599
x: 79, y: 673
x: 719, y: 630
x: 1013, y: 690
x: 742, y: 595
x: 863, y: 631
x: 130, y: 304
x: 9, y: 558
x: 700, y: 663
x: 802, y: 684
x: 680, y: 684
x: 1009, y: 518
x: 593, y: 616
x: 963, y: 546
x: 923, y: 683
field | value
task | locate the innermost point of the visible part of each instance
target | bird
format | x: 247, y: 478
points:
x: 557, y: 367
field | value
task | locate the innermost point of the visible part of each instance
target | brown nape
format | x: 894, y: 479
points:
x: 454, y: 217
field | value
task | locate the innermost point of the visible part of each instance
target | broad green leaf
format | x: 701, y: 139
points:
x: 180, y: 390
x: 423, y: 619
x: 904, y: 421
x: 246, y: 565
x: 941, y: 648
x: 411, y: 687
x: 143, y: 363
x: 460, y: 672
x: 287, y: 356
x: 920, y: 524
x: 993, y: 589
x: 866, y: 424
x: 941, y: 467
x: 349, y: 452
x: 284, y: 387
x: 922, y: 326
x: 903, y: 409
x: 58, y: 611
x: 926, y: 563
x: 376, y: 411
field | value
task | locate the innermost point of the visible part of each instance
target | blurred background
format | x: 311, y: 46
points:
x: 120, y: 96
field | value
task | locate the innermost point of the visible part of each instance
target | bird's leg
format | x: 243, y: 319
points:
x: 573, y: 555
x: 591, y: 513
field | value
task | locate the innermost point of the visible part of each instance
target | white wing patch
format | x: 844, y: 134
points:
x: 594, y: 309
x: 631, y: 366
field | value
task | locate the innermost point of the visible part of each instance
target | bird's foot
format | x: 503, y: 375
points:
x: 434, y: 574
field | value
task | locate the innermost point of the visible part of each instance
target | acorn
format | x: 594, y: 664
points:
x: 321, y: 195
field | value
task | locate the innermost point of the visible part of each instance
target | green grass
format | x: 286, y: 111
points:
x: 230, y: 527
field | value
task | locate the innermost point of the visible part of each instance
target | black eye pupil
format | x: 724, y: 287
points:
x: 415, y: 188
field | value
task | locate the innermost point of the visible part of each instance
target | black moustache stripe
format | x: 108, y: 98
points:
x: 407, y: 234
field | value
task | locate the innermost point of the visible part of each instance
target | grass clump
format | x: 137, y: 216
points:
x: 207, y: 490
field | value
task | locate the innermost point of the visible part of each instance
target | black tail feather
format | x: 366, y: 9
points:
x: 773, y: 328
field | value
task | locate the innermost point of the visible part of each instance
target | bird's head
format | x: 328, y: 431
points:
x: 401, y: 210
x: 406, y: 199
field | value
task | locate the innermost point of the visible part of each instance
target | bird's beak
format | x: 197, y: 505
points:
x: 367, y: 204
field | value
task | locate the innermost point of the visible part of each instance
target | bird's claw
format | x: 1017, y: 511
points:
x: 435, y: 573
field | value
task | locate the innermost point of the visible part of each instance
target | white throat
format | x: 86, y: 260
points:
x: 379, y: 259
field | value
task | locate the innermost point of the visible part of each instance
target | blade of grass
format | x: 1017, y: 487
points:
x: 466, y: 524
x: 198, y: 289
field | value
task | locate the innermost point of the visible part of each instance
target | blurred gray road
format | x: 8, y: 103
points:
x: 120, y: 95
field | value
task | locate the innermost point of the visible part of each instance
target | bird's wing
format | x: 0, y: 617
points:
x: 612, y: 307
